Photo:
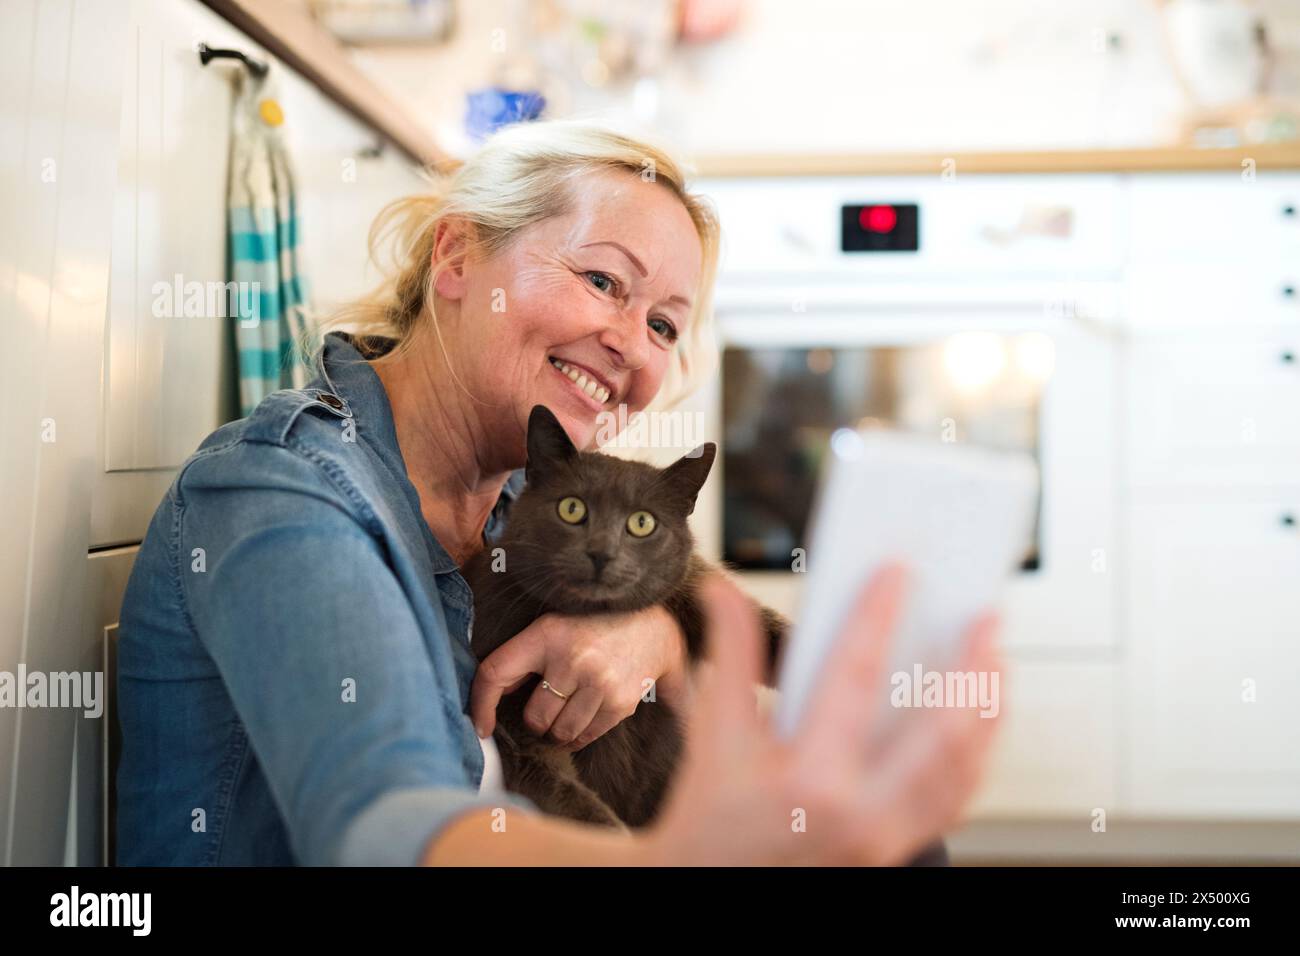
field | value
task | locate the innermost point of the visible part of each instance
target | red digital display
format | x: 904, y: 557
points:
x: 879, y: 227
x: 878, y: 218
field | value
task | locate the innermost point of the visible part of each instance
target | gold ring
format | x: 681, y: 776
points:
x: 547, y: 686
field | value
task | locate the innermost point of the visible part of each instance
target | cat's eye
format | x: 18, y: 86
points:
x: 641, y: 523
x: 573, y: 510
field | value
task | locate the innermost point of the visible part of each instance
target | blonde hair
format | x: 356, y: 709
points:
x: 520, y: 176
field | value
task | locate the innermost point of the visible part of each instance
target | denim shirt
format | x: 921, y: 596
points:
x: 293, y: 657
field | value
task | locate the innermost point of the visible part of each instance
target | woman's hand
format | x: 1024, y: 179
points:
x: 742, y: 791
x: 601, y: 662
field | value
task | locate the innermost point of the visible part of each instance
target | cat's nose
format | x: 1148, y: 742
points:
x: 598, y: 560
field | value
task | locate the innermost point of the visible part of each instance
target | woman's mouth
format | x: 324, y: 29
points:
x: 588, y: 386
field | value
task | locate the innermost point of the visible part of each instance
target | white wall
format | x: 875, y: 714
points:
x: 875, y: 76
x: 114, y: 143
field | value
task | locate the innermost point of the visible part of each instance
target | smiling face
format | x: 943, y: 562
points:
x: 581, y: 312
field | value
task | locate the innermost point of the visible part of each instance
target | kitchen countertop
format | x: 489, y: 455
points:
x: 1274, y: 156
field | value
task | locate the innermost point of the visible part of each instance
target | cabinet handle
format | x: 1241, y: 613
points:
x: 1288, y: 210
x: 1288, y: 520
x: 1288, y: 291
x: 1288, y: 357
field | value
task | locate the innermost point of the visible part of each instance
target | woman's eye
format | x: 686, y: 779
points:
x: 664, y: 327
x: 610, y: 284
x: 641, y: 523
x: 572, y: 510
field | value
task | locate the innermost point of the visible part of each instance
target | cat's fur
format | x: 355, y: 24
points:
x: 621, y: 777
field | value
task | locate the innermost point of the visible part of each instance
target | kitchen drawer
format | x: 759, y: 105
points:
x: 1215, y: 217
x: 1214, y: 621
x: 1168, y: 298
x: 1213, y: 410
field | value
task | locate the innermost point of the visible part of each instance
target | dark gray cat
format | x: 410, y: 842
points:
x: 592, y: 533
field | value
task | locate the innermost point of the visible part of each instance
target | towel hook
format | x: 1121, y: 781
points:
x: 207, y: 54
x: 375, y: 151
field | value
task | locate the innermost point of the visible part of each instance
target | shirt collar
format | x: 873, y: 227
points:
x: 343, y: 371
x: 514, y: 485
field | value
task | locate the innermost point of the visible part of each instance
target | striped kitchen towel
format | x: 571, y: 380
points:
x: 270, y: 325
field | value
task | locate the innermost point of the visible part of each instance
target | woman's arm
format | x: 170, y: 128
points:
x: 353, y: 717
x: 605, y: 663
x: 674, y: 686
x: 471, y: 840
x: 609, y: 658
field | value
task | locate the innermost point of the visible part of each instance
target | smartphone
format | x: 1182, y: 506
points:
x: 958, y: 516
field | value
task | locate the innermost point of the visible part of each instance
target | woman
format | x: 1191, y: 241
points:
x: 294, y: 666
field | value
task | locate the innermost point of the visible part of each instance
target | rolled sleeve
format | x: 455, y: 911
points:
x: 351, y: 719
x: 396, y: 828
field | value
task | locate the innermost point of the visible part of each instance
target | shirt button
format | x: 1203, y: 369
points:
x: 333, y: 401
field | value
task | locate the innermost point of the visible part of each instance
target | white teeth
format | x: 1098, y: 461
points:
x: 591, y: 387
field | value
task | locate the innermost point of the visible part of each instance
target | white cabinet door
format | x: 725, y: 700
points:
x: 1214, y: 217
x: 1222, y: 413
x: 168, y: 374
x: 1214, y: 688
x: 1228, y: 296
x: 167, y: 380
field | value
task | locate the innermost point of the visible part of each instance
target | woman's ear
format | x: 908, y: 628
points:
x: 451, y: 244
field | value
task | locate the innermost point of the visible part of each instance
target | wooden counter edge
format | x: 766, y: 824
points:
x: 1272, y: 156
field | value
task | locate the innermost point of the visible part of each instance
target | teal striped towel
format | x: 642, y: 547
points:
x: 271, y: 323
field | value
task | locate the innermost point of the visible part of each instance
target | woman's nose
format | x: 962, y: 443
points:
x: 628, y: 340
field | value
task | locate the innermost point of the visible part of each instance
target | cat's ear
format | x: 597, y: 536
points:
x: 685, y: 477
x: 547, y: 441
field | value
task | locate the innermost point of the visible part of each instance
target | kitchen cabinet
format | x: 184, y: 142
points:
x: 1212, y: 497
x: 1207, y: 218
x: 1218, y: 412
x: 1214, y: 681
x: 113, y: 180
x: 1223, y: 295
x: 60, y: 82
x: 168, y: 378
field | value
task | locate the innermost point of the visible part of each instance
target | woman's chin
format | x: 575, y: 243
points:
x: 584, y: 437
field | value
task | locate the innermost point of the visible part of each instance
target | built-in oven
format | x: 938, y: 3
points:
x: 974, y: 313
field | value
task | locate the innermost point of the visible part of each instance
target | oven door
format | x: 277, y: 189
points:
x: 1025, y: 378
